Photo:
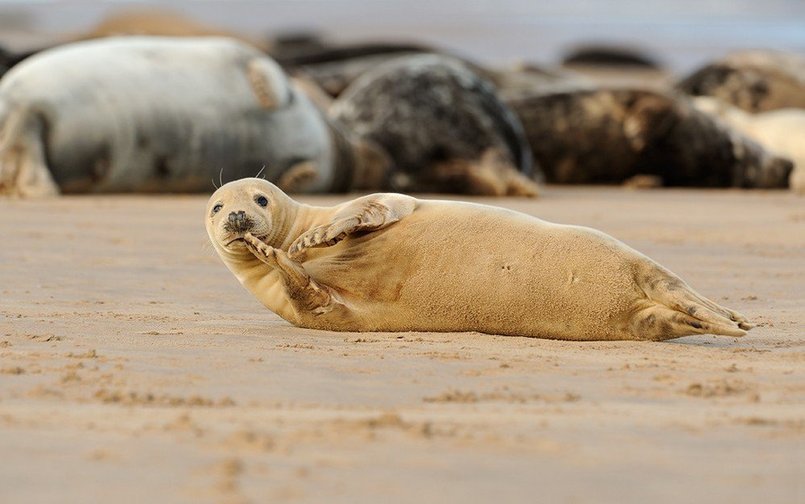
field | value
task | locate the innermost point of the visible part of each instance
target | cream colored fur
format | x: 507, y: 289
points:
x: 389, y: 262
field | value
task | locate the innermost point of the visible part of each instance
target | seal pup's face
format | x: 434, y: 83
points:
x: 249, y: 205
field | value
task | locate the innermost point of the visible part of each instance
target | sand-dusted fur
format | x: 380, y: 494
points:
x: 389, y: 262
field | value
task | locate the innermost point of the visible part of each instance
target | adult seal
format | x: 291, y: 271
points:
x: 389, y: 262
x: 155, y: 114
x: 443, y: 126
x: 609, y: 135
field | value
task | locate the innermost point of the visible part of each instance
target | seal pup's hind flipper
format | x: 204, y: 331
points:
x: 673, y: 309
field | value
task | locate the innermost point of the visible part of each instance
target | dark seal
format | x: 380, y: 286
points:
x: 610, y: 135
x: 443, y: 126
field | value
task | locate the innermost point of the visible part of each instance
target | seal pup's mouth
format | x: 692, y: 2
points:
x: 241, y: 240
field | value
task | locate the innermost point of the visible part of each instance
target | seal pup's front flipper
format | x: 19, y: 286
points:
x: 370, y: 213
x: 306, y: 295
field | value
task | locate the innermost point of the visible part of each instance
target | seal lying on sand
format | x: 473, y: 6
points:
x: 610, y: 135
x: 754, y: 81
x: 782, y: 131
x: 161, y: 114
x: 389, y: 262
x: 443, y: 126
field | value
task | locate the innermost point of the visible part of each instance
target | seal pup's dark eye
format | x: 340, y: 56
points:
x: 262, y: 201
x: 217, y: 208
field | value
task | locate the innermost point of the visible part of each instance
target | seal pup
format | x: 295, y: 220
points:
x: 390, y: 262
x: 443, y: 126
x: 782, y: 131
x: 157, y: 114
x: 608, y: 135
x: 755, y: 81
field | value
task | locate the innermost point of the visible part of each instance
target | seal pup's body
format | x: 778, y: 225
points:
x: 389, y: 262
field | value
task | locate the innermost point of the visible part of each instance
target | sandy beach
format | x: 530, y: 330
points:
x: 134, y: 368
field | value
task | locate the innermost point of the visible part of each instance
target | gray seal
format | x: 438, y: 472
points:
x: 390, y: 262
x: 443, y: 126
x: 156, y: 114
x: 600, y: 136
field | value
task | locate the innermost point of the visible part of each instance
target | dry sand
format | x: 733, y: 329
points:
x: 134, y: 368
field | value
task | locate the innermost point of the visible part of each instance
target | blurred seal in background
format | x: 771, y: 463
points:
x: 154, y: 114
x: 443, y: 126
x: 599, y: 136
x: 781, y: 131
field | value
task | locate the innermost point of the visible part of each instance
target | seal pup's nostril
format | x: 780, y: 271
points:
x: 236, y: 216
x: 238, y: 222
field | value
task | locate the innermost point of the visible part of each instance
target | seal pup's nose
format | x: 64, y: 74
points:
x: 238, y: 222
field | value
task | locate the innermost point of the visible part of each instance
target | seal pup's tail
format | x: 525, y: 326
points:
x: 672, y: 309
x: 23, y: 169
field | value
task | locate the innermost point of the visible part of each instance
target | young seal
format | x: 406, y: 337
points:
x: 389, y: 262
x: 755, y: 81
x: 595, y: 136
x: 162, y: 114
x: 443, y: 126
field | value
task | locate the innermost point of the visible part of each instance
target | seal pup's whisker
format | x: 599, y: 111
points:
x: 261, y: 171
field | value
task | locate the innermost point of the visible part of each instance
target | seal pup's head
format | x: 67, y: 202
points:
x: 250, y: 205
